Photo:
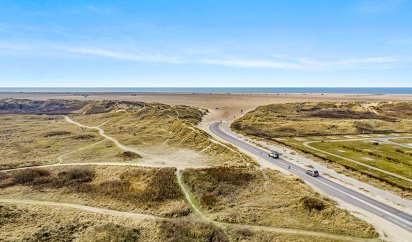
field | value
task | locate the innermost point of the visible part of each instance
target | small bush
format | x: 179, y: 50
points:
x: 208, y: 200
x: 161, y: 185
x: 83, y: 137
x: 128, y: 155
x: 56, y: 133
x: 244, y: 232
x: 29, y: 176
x: 312, y: 203
x: 191, y: 231
x: 115, y: 233
x: 74, y: 176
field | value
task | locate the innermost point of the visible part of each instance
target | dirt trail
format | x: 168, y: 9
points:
x: 133, y: 215
x: 188, y: 195
x: 139, y: 164
x: 148, y: 159
x: 101, y: 132
x: 140, y: 216
x: 60, y: 158
x: 296, y: 231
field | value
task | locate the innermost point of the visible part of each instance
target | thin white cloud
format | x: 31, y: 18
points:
x: 278, y: 62
x: 119, y: 55
x: 251, y: 63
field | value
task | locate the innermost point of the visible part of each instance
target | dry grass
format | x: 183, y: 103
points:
x: 287, y: 202
x: 191, y: 231
x: 159, y: 125
x: 36, y: 140
x: 42, y: 223
x: 51, y: 107
x: 128, y: 155
x: 105, y: 151
x: 148, y: 190
x: 327, y: 118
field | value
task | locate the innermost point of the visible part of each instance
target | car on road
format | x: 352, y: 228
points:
x: 274, y: 155
x: 313, y: 173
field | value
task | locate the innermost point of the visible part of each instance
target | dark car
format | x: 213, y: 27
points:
x: 313, y: 173
x: 274, y: 155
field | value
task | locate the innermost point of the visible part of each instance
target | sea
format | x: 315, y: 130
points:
x: 204, y: 90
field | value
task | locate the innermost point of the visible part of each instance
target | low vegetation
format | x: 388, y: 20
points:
x: 128, y: 155
x: 382, y: 156
x: 191, y: 231
x: 153, y: 190
x: 245, y: 196
x: 30, y: 140
x: 169, y: 130
x: 50, y: 107
x: 296, y: 123
x: 326, y: 118
x: 233, y: 191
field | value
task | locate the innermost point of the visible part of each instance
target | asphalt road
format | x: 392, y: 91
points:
x: 328, y: 187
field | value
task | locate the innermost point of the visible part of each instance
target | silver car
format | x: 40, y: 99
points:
x: 274, y: 155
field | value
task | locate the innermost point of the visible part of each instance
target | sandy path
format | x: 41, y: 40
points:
x: 138, y: 164
x: 60, y: 158
x: 101, y: 132
x: 141, y: 216
x: 188, y: 195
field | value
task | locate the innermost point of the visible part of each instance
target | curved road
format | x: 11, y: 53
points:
x: 329, y: 187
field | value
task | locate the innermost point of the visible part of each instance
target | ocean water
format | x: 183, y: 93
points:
x: 351, y: 90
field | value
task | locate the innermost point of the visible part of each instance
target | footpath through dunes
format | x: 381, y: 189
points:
x: 139, y: 216
x: 27, y: 194
x: 147, y: 133
x: 144, y: 187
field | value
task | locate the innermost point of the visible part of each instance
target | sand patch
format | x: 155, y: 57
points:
x: 349, y: 136
x: 299, y: 139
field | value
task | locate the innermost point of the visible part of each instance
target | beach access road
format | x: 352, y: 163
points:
x: 321, y: 183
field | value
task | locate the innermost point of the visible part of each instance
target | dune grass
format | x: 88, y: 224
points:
x: 29, y: 140
x: 326, y: 118
x: 239, y: 196
x: 295, y: 123
x: 149, y: 190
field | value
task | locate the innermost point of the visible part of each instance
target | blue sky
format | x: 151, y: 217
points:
x: 214, y: 43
